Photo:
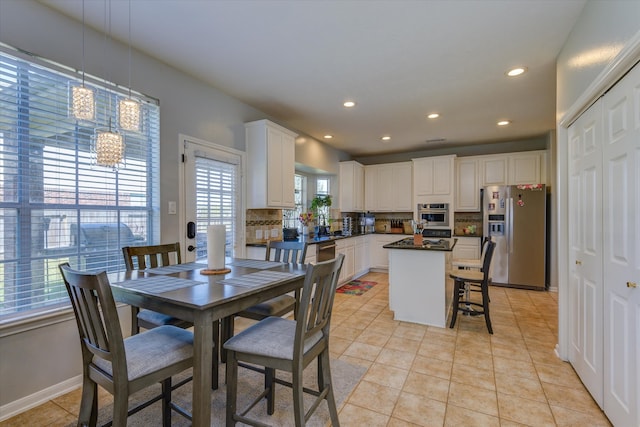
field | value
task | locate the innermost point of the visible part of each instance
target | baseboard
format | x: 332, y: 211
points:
x: 21, y: 405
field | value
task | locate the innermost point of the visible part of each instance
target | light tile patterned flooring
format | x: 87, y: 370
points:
x: 428, y: 376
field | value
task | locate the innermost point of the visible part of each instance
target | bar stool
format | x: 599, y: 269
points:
x: 464, y: 280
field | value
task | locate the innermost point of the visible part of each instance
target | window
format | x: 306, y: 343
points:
x: 55, y: 205
x: 300, y: 196
x: 322, y: 189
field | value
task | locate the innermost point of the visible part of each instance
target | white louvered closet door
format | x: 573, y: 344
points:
x: 621, y: 235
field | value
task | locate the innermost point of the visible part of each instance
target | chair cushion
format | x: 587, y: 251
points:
x: 274, y: 307
x: 272, y: 337
x: 159, y: 319
x: 467, y: 263
x: 152, y: 350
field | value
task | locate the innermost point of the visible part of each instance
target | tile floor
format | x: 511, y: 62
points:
x: 427, y: 376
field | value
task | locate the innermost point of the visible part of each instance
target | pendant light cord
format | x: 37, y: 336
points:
x: 129, y: 48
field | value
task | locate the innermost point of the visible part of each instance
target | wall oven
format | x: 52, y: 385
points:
x: 434, y: 214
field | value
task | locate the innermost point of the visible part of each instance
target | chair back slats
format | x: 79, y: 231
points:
x: 294, y: 252
x: 316, y: 301
x: 95, y: 312
x: 141, y: 257
x: 486, y: 262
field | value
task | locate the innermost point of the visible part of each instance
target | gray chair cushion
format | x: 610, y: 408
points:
x: 152, y: 350
x: 274, y: 306
x: 272, y: 337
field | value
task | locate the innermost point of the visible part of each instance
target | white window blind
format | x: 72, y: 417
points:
x: 55, y: 206
x: 216, y: 200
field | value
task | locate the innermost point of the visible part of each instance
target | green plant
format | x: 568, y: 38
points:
x: 320, y: 201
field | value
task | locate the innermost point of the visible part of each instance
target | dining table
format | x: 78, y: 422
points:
x: 187, y: 292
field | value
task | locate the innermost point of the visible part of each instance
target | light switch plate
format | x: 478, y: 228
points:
x: 258, y: 234
x: 173, y: 209
x: 274, y: 232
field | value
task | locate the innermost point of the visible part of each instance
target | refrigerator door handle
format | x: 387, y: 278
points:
x: 509, y: 214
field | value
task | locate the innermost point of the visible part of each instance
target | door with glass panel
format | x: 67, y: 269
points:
x: 213, y: 190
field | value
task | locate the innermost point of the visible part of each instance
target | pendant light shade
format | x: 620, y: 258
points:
x: 108, y: 148
x: 129, y: 114
x: 83, y: 104
x: 81, y: 98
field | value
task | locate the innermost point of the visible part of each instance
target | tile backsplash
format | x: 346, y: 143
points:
x: 468, y: 220
x: 263, y: 224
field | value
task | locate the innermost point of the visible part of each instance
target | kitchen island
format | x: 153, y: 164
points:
x: 419, y: 284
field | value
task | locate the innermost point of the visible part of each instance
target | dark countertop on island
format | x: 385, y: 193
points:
x: 443, y: 245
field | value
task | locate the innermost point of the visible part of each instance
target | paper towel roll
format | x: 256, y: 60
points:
x: 216, y: 238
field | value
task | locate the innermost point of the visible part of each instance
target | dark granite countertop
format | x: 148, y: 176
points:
x: 442, y: 245
x: 314, y: 240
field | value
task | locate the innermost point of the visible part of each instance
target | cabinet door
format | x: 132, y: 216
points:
x: 370, y: 188
x: 442, y: 173
x: 423, y: 176
x: 274, y: 167
x: 385, y: 188
x: 467, y: 188
x: 524, y: 168
x: 402, y: 188
x: 493, y: 170
x: 288, y: 165
x: 358, y: 187
x: 351, y: 187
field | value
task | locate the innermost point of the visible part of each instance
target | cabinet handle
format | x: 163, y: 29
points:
x: 632, y: 285
x: 578, y: 262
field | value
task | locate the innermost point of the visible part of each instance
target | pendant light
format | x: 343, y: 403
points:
x: 108, y: 144
x: 129, y: 109
x: 83, y: 105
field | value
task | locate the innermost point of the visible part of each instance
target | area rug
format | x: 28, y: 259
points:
x: 250, y: 384
x: 356, y: 287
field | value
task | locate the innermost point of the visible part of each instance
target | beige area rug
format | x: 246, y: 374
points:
x: 345, y: 377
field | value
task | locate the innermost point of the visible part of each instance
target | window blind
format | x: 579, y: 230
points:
x: 55, y: 204
x: 215, y: 200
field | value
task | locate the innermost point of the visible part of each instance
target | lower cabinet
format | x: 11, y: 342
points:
x: 362, y: 255
x: 346, y: 247
x: 256, y: 252
x: 467, y: 248
x: 379, y: 255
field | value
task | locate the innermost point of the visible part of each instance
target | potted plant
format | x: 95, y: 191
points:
x: 318, y: 202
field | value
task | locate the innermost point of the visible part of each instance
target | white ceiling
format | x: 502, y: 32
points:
x: 298, y: 61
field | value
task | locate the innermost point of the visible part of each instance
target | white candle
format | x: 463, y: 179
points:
x: 216, y: 239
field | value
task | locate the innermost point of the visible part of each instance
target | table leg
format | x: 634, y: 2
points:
x: 202, y: 368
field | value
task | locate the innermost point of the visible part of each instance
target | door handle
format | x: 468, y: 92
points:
x: 632, y: 285
x: 578, y: 262
x: 191, y: 248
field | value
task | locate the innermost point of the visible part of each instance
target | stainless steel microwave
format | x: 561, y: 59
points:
x: 434, y: 214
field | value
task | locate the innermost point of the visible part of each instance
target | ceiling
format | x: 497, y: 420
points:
x: 298, y: 61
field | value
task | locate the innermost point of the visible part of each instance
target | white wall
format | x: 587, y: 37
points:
x: 43, y: 356
x: 595, y: 46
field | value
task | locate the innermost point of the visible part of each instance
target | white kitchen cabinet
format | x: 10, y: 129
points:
x: 379, y: 255
x: 525, y: 168
x: 346, y: 247
x: 467, y: 248
x: 494, y: 170
x: 433, y: 176
x: 467, y: 194
x: 311, y: 255
x: 361, y: 255
x: 270, y: 165
x: 388, y: 187
x: 351, y: 187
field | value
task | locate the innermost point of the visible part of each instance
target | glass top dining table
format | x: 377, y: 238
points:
x: 185, y: 292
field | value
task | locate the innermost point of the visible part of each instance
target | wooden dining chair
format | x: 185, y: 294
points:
x: 153, y: 256
x: 290, y: 345
x: 280, y: 251
x: 121, y: 366
x: 462, y: 300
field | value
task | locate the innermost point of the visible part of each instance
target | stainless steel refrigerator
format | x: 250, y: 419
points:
x: 515, y: 218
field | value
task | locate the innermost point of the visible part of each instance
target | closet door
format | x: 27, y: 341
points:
x: 621, y: 234
x: 585, y: 249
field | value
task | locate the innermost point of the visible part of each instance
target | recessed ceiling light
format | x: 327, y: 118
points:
x: 433, y: 116
x: 516, y: 71
x: 386, y: 138
x: 504, y: 122
x: 349, y: 104
x: 328, y: 136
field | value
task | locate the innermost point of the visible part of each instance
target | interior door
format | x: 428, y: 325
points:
x: 621, y: 232
x: 213, y: 191
x: 585, y: 249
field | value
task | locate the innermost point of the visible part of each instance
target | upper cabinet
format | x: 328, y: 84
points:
x: 270, y: 165
x: 467, y: 197
x: 527, y: 167
x: 433, y: 176
x: 388, y: 187
x: 351, y: 187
